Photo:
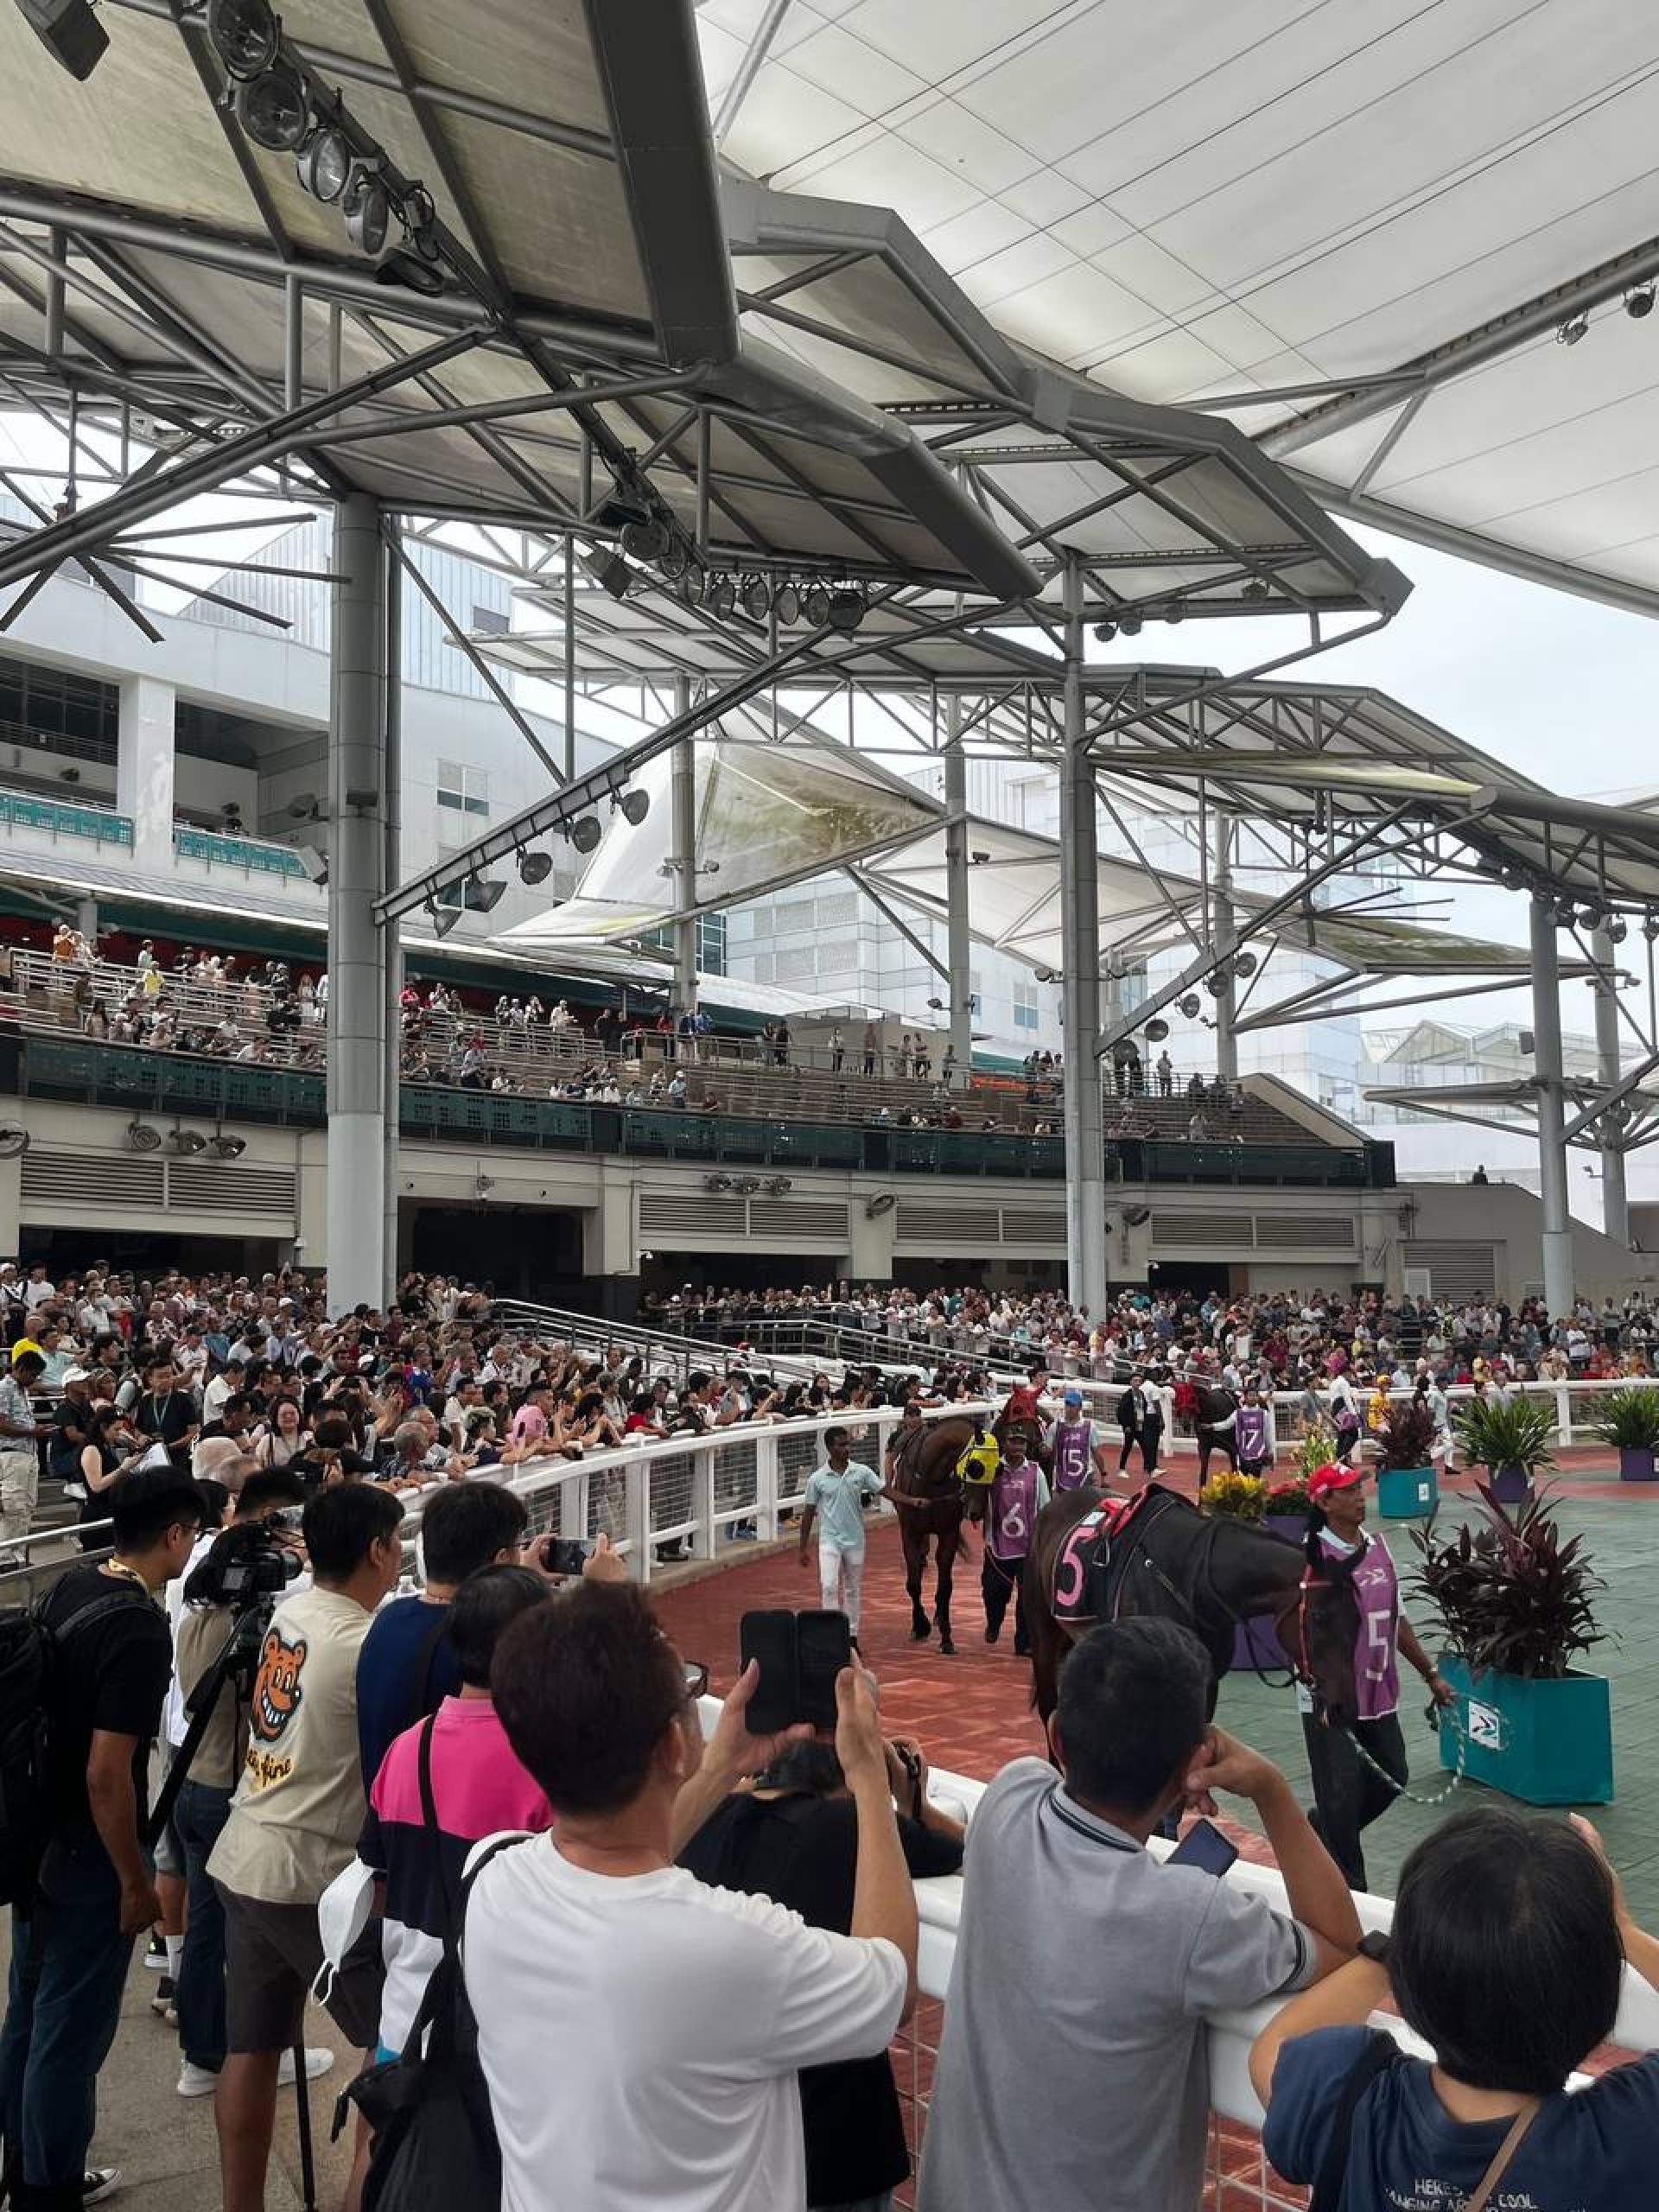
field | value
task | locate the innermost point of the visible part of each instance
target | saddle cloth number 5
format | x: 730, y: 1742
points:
x: 1071, y: 1568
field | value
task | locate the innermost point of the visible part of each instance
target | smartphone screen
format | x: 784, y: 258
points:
x: 1205, y: 1846
x: 769, y: 1639
x: 825, y: 1646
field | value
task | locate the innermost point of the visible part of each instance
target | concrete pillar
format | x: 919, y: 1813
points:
x: 1085, y: 1160
x: 392, y: 947
x: 1552, y: 1152
x: 870, y: 1243
x: 684, y: 797
x: 143, y: 768
x: 1615, y: 1202
x: 1226, y: 996
x: 357, y: 953
x: 959, y: 948
x: 86, y: 918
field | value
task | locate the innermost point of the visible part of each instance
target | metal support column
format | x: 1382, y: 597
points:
x: 1225, y: 926
x: 1552, y: 1150
x: 356, y: 878
x: 1615, y: 1202
x: 390, y: 931
x: 1085, y: 1154
x: 684, y: 796
x: 959, y: 953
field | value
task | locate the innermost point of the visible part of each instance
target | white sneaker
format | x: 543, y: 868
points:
x: 196, y: 2081
x: 318, y: 2060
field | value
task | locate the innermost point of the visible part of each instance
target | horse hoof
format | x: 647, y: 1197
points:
x: 947, y: 1647
x: 920, y: 1632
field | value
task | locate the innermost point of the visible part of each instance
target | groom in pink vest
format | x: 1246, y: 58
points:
x: 1016, y: 1497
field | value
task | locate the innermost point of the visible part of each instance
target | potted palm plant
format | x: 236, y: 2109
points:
x: 1510, y: 1438
x: 1629, y: 1419
x: 1514, y: 1599
x: 1406, y: 1488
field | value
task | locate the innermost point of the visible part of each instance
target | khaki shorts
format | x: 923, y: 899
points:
x: 272, y: 1952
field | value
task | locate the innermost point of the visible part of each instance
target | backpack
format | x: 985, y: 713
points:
x: 28, y: 1649
x: 434, y: 2140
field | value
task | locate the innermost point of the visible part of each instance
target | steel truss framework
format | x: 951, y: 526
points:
x: 824, y: 404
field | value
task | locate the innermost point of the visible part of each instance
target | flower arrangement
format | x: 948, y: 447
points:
x: 1289, y: 1498
x: 1406, y: 1437
x: 1630, y: 1418
x: 1318, y: 1449
x: 1512, y: 1594
x: 1241, y: 1498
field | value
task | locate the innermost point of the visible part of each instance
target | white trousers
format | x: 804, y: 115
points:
x: 840, y: 1579
x: 20, y: 1479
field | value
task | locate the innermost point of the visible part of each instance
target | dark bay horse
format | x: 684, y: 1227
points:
x: 1213, y: 1410
x: 1208, y: 1572
x: 929, y: 1501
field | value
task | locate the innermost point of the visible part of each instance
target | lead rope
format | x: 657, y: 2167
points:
x: 1412, y: 1796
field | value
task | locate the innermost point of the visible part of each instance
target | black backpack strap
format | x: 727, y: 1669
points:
x: 84, y: 1616
x: 1380, y: 2052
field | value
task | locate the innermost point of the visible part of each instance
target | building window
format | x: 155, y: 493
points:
x: 490, y: 622
x: 1025, y: 1005
x: 463, y: 802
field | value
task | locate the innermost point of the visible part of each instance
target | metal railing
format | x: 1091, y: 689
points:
x: 249, y: 855
x: 58, y: 818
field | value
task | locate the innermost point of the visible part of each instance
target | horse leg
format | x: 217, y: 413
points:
x: 915, y: 1549
x: 949, y: 1538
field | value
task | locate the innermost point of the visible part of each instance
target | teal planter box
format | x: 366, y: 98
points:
x: 1548, y: 1742
x: 1407, y: 1493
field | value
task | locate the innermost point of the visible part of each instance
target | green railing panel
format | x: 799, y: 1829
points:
x: 252, y: 854
x: 59, y: 818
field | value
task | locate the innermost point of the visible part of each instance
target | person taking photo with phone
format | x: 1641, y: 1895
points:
x: 605, y: 2058
x: 794, y: 1838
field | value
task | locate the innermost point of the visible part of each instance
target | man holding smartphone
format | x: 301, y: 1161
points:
x: 835, y: 1499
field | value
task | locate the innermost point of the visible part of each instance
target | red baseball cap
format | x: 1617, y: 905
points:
x: 1324, y: 1480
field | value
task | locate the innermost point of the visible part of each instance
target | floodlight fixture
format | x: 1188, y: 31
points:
x: 142, y: 1137
x: 275, y: 109
x: 13, y: 1139
x: 411, y: 271
x: 1574, y: 327
x: 229, y: 1147
x: 534, y: 867
x: 70, y: 32
x: 1157, y: 1030
x: 305, y: 806
x: 1244, y: 965
x: 1650, y: 926
x: 633, y: 806
x: 816, y: 603
x: 443, y: 918
x: 608, y: 569
x: 746, y: 1184
x: 1105, y: 632
x: 189, y: 1141
x: 1638, y: 301
x: 756, y: 598
x: 245, y: 34
x: 315, y: 862
x: 1590, y: 916
x: 1129, y: 622
x: 936, y: 1006
x: 1617, y: 928
x: 787, y: 603
x: 645, y: 541
x: 693, y: 581
x: 978, y: 858
x: 368, y: 214
x: 721, y: 594
x: 779, y: 1184
x: 1258, y: 588
x: 484, y: 893
x: 1046, y: 975
x: 1191, y: 1005
x: 323, y: 164
x: 716, y: 1182
x: 1134, y: 1216
x: 1175, y: 612
x: 847, y: 608
x: 676, y: 556
x: 884, y: 1202
x: 585, y: 833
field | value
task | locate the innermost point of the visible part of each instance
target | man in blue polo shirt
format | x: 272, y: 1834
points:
x: 835, y: 1499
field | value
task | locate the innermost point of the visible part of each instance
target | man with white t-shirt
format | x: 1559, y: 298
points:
x: 641, y: 2051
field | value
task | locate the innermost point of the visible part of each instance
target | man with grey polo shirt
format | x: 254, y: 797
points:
x: 1071, y: 2072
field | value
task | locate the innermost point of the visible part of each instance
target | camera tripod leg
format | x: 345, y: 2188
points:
x: 302, y: 2096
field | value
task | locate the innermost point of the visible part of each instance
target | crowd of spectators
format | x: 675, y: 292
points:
x: 495, y: 1749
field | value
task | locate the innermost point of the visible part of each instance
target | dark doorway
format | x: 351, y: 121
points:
x: 148, y: 1252
x: 530, y: 1252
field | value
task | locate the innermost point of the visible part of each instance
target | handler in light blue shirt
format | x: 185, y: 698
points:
x: 835, y: 1497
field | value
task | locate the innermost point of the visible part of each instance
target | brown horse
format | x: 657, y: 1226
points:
x: 932, y: 1503
x: 1208, y: 1572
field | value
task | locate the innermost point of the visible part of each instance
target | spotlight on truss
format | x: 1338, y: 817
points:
x: 484, y: 893
x: 443, y: 918
x: 1574, y: 327
x: 847, y: 609
x: 633, y: 806
x: 1638, y: 301
x: 1190, y: 1006
x: 245, y: 34
x: 787, y: 603
x: 534, y: 867
x: 756, y: 598
x: 229, y: 1147
x: 816, y: 603
x: 608, y: 569
x: 275, y: 109
x: 1129, y: 622
x: 70, y: 32
x: 585, y: 833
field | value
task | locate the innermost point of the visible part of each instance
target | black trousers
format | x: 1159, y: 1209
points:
x: 1148, y: 1436
x: 1000, y: 1580
x: 1347, y: 1796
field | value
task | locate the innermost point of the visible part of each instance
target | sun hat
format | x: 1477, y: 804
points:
x: 1324, y: 1480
